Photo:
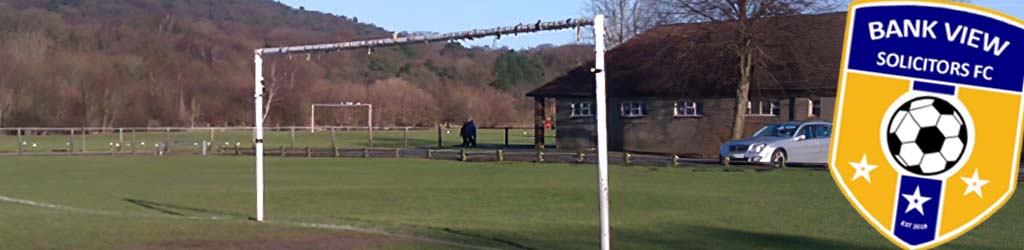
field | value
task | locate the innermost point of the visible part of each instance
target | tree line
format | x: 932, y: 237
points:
x: 74, y: 63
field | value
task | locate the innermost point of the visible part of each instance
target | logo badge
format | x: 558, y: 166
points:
x: 928, y: 120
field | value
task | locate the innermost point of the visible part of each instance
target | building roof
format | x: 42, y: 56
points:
x: 801, y: 56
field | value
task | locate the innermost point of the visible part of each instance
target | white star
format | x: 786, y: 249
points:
x: 863, y: 169
x: 974, y: 184
x: 916, y: 201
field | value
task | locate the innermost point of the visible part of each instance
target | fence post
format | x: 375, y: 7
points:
x: 71, y: 142
x: 29, y: 146
x: 21, y: 142
x: 405, y: 137
x: 440, y: 137
x: 334, y: 138
x: 167, y: 140
x: 293, y: 138
x: 83, y: 140
x: 135, y: 141
x: 120, y: 137
x: 211, y: 136
x: 506, y: 137
x: 334, y: 143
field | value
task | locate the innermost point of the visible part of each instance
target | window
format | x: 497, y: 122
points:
x: 781, y: 130
x: 762, y: 108
x: 633, y: 109
x: 822, y: 131
x: 580, y: 110
x: 814, y: 108
x: 687, y: 109
x: 806, y: 131
x: 816, y: 131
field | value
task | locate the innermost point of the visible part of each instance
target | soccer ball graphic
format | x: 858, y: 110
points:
x: 927, y: 136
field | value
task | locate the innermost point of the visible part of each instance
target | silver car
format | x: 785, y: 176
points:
x: 781, y: 144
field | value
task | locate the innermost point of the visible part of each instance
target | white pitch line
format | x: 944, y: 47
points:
x: 236, y: 219
x: 371, y: 231
x: 55, y: 206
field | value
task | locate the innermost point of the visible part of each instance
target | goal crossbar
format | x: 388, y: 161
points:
x: 599, y: 71
x: 395, y: 40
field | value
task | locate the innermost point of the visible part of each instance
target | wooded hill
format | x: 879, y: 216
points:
x: 189, y: 62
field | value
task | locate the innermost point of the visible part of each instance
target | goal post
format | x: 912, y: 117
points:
x: 258, y: 134
x: 602, y: 131
x: 598, y: 23
x: 369, y: 115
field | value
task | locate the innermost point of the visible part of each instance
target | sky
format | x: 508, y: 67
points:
x: 460, y: 15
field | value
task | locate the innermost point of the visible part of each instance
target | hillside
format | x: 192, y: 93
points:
x: 189, y: 62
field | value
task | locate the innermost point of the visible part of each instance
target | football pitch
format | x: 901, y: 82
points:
x: 325, y: 203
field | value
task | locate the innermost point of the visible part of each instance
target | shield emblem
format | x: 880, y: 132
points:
x: 928, y: 117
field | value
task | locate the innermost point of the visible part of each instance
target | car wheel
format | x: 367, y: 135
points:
x: 723, y: 160
x: 779, y: 159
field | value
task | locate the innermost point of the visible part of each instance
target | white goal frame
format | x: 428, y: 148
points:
x: 369, y: 115
x: 598, y: 23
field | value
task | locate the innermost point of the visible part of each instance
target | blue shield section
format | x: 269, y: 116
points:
x: 934, y: 88
x: 917, y: 225
x: 1006, y: 73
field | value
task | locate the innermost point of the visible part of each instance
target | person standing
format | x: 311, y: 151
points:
x: 467, y: 133
x: 464, y: 133
x: 471, y: 131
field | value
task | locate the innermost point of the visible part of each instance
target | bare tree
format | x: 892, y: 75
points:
x: 396, y: 102
x: 6, y: 103
x: 626, y: 18
x: 959, y: 1
x: 743, y: 18
x: 280, y: 82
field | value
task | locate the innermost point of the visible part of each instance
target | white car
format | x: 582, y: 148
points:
x: 781, y: 144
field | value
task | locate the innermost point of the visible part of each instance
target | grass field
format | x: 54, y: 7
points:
x: 202, y: 203
x: 417, y: 138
